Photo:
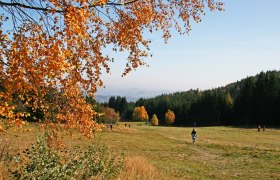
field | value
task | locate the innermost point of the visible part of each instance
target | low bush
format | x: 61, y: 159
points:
x: 44, y: 162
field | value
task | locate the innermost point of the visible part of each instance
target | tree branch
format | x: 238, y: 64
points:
x: 2, y: 61
x: 26, y: 6
x: 58, y: 10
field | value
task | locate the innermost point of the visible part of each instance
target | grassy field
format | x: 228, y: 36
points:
x: 168, y: 153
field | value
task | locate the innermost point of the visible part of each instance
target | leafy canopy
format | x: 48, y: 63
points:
x: 60, y: 44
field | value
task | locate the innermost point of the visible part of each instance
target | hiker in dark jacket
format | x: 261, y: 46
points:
x: 193, y: 135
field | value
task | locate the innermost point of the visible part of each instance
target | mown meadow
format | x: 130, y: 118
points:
x: 152, y: 152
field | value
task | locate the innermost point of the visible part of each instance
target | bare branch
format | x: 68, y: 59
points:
x: 2, y: 61
x: 21, y: 5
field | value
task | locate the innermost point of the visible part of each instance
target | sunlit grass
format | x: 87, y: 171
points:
x: 168, y: 152
x: 220, y: 152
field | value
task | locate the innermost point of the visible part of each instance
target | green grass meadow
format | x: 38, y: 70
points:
x: 168, y: 153
x: 219, y: 153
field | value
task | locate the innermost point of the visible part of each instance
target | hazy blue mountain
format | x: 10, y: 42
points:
x: 132, y: 94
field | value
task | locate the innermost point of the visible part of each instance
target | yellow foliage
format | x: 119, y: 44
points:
x: 169, y: 117
x: 140, y: 114
x: 154, y: 120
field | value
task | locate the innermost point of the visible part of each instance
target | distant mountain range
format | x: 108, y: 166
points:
x: 132, y: 94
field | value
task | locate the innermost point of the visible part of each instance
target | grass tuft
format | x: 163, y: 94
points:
x: 137, y: 167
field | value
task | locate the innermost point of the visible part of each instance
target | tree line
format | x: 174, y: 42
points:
x: 252, y: 101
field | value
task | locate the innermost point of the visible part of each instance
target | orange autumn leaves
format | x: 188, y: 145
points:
x: 154, y: 120
x: 48, y: 63
x: 169, y: 117
x: 140, y: 114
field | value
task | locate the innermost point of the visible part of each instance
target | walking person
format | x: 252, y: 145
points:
x: 193, y: 135
x: 259, y: 128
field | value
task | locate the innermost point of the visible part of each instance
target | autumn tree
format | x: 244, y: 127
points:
x: 154, y: 120
x: 46, y: 44
x: 169, y: 117
x: 140, y: 114
x: 109, y: 115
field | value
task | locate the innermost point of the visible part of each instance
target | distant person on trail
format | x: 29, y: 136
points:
x: 193, y: 135
x: 259, y: 128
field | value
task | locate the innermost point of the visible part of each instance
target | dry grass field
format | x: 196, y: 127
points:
x: 168, y: 153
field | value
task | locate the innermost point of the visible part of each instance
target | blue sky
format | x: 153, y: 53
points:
x: 225, y: 47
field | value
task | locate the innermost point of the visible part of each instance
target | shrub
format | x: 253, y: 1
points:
x: 43, y: 162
